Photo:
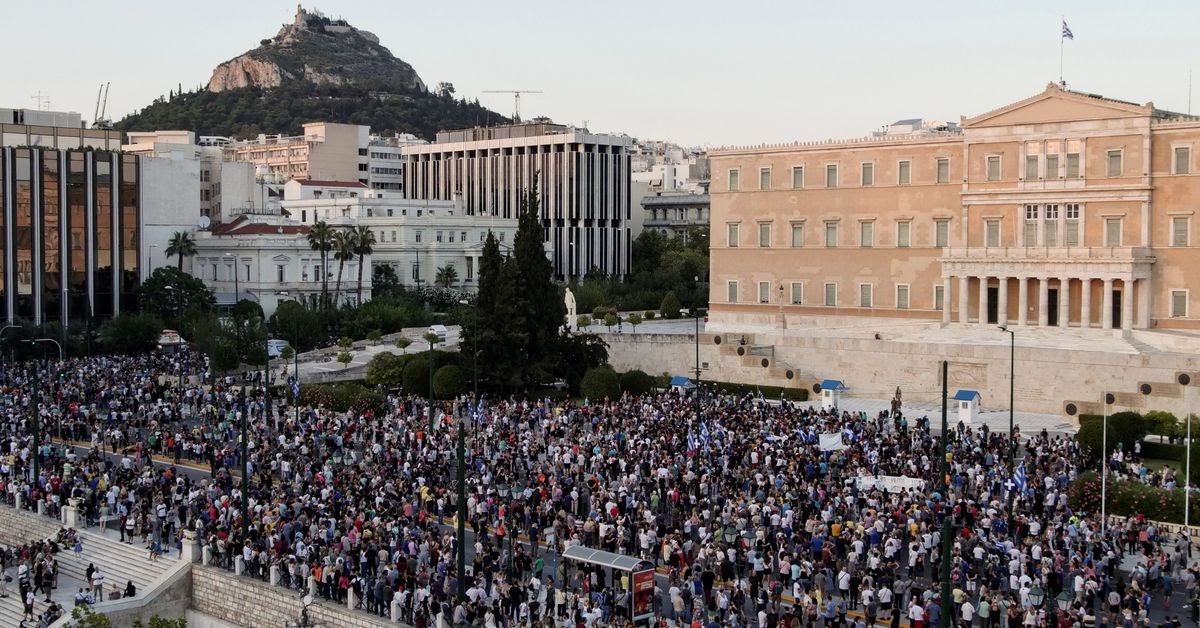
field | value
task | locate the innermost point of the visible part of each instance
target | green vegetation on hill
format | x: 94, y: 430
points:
x: 248, y: 111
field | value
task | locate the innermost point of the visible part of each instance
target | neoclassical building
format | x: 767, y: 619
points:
x: 1063, y: 209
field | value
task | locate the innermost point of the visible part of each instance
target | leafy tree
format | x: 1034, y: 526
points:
x: 446, y: 276
x: 297, y: 324
x: 384, y: 282
x: 448, y: 382
x: 416, y: 376
x: 385, y: 369
x: 583, y: 321
x: 181, y: 245
x: 670, y: 306
x: 364, y: 245
x: 345, y: 358
x: 169, y: 293
x: 636, y: 382
x: 84, y: 617
x: 445, y: 89
x: 536, y: 295
x: 600, y: 383
x: 1124, y: 429
x: 402, y: 343
x: 610, y: 319
x: 287, y: 353
x: 577, y: 354
x: 320, y: 239
x: 635, y: 319
x: 345, y: 342
x: 484, y: 336
x: 224, y: 357
x: 131, y: 332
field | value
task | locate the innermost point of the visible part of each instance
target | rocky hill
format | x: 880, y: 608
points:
x: 317, y: 49
x: 314, y: 69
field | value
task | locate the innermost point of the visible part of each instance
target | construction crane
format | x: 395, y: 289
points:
x: 516, y: 98
x: 98, y: 120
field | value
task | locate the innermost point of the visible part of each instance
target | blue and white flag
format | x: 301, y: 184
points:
x: 692, y: 444
x: 295, y: 389
x: 1066, y: 32
x: 704, y: 435
x: 1020, y: 480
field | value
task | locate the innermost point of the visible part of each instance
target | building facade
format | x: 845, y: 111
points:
x: 583, y: 182
x: 227, y: 188
x: 1062, y: 210
x: 676, y: 215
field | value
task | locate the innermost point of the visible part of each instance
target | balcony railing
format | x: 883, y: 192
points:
x: 1118, y: 253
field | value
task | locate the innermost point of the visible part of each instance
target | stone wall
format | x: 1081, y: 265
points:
x: 168, y: 598
x: 237, y: 600
x: 1047, y: 378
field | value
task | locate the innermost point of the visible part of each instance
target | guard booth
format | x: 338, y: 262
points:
x: 968, y: 405
x: 632, y: 576
x: 831, y: 393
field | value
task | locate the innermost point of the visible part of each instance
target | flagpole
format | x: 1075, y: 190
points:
x: 1062, y: 40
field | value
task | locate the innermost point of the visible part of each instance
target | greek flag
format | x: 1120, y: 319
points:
x: 295, y: 388
x: 692, y: 444
x: 1066, y: 32
x: 704, y: 435
x: 1020, y: 480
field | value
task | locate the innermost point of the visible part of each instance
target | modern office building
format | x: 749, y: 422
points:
x: 1062, y: 209
x: 583, y: 181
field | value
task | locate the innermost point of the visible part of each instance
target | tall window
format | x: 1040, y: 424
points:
x: 797, y: 234
x: 1115, y: 165
x: 1031, y: 225
x: 904, y: 172
x: 734, y: 182
x: 797, y: 177
x: 943, y: 170
x: 1183, y: 158
x: 1074, y: 147
x: 992, y: 233
x: 417, y: 235
x: 764, y: 292
x: 831, y: 234
x: 939, y: 297
x: 903, y: 234
x: 1179, y: 231
x: 470, y: 268
x: 731, y: 234
x: 941, y: 229
x: 831, y: 176
x: 830, y: 294
x: 764, y: 234
x: 1033, y: 152
x: 902, y: 297
x: 280, y: 273
x: 865, y: 291
x: 866, y: 234
x: 438, y: 236
x: 993, y: 168
x: 1179, y: 303
x: 1052, y: 148
x: 1071, y: 226
x: 868, y: 174
x: 797, y: 293
x: 764, y: 178
x: 1050, y: 228
x: 731, y: 292
x: 1112, y: 232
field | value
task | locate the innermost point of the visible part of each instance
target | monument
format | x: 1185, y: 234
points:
x: 572, y: 319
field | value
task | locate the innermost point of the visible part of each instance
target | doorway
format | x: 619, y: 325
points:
x: 1052, y: 307
x: 1116, y: 309
x: 993, y: 308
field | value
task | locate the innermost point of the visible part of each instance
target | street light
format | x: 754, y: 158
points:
x: 1184, y: 379
x: 1105, y: 401
x: 696, y: 319
x: 56, y: 344
x: 1037, y: 596
x: 474, y: 344
x: 150, y: 259
x: 1012, y: 374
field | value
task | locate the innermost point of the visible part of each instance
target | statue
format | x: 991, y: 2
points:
x: 572, y: 319
x: 896, y: 402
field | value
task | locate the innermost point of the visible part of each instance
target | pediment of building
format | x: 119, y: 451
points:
x: 1056, y: 104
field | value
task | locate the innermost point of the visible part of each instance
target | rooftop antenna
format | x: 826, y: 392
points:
x: 1189, y: 89
x: 516, y: 98
x: 42, y: 99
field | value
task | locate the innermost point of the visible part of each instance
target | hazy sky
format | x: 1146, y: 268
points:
x: 697, y: 72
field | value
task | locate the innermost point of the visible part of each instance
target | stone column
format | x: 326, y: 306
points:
x: 983, y: 300
x: 1043, y: 301
x: 206, y: 556
x: 276, y: 572
x: 191, y: 548
x: 1064, y: 302
x: 946, y: 300
x: 239, y: 565
x: 1022, y: 300
x: 1106, y: 312
x: 964, y: 304
x: 1126, y: 304
x: 1145, y: 300
x: 351, y: 598
x: 1002, y: 302
x: 41, y: 507
x: 70, y: 513
x: 1085, y: 303
x: 20, y: 501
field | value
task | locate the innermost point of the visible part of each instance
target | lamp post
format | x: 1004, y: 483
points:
x: 179, y: 321
x: 245, y: 465
x: 474, y: 345
x: 432, y: 338
x: 1012, y: 396
x: 37, y: 414
x: 1184, y: 379
x: 150, y: 259
x: 1107, y: 399
x: 462, y: 514
x: 696, y: 319
x: 56, y: 344
x: 948, y: 513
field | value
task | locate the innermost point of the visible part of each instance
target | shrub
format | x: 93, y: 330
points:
x: 1129, y: 498
x: 345, y: 342
x: 599, y: 383
x: 635, y: 319
x: 287, y: 353
x: 131, y: 332
x: 1124, y: 429
x: 448, y: 382
x: 610, y: 319
x: 670, y: 305
x: 345, y: 358
x: 416, y: 377
x: 385, y: 369
x: 636, y: 382
x: 343, y: 396
x: 650, y: 314
x: 583, y: 322
x: 599, y: 311
x: 402, y: 343
x: 374, y: 335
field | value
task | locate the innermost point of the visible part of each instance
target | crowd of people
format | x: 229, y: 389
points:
x: 754, y: 511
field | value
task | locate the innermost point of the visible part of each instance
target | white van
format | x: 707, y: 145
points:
x: 439, y: 331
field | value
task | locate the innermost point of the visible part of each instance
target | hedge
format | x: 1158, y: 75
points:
x: 1162, y: 451
x: 343, y: 396
x: 599, y: 383
x: 1129, y: 498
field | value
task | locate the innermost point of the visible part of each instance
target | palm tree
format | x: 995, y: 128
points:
x: 446, y: 276
x: 320, y: 239
x: 182, y: 245
x: 364, y: 245
x: 343, y: 251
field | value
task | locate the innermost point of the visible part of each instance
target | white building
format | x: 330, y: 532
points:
x: 582, y: 181
x: 226, y: 188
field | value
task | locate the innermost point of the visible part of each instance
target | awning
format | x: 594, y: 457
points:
x: 602, y: 558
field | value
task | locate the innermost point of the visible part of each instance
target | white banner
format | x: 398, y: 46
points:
x: 889, y: 483
x: 831, y: 442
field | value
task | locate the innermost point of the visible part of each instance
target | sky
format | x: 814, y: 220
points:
x: 697, y: 72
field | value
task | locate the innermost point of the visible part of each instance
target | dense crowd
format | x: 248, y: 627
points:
x: 756, y: 512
